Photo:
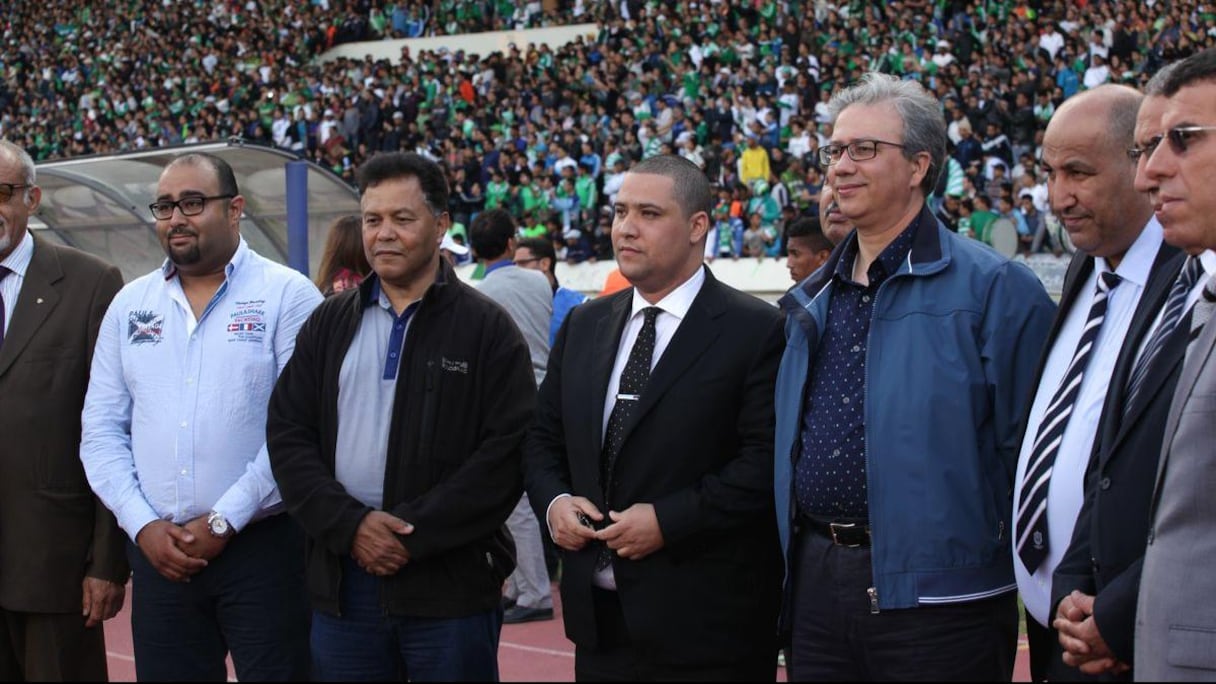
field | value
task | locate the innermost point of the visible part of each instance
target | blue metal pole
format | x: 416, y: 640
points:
x: 297, y: 216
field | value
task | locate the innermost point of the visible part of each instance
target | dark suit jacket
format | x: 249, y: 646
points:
x: 53, y: 530
x: 700, y: 449
x: 1107, y: 548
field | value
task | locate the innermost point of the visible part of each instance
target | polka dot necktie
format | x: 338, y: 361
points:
x: 633, y: 382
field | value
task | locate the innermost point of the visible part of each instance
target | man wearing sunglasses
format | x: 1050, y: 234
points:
x: 910, y: 355
x: 1176, y: 613
x: 174, y: 441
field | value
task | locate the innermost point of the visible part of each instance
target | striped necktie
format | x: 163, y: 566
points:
x: 3, y: 274
x: 1032, y: 538
x: 1175, y: 305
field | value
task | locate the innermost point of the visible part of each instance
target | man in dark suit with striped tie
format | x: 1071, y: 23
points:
x: 1114, y: 285
x: 1175, y: 633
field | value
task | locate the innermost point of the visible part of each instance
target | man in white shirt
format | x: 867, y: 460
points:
x: 174, y: 430
x: 1090, y: 183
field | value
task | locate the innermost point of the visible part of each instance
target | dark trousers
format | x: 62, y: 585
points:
x: 366, y: 645
x: 837, y: 638
x: 43, y: 647
x: 614, y: 659
x: 249, y: 601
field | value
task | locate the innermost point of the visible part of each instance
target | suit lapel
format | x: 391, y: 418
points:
x: 1118, y: 421
x: 39, y: 296
x: 1191, y: 370
x: 694, y: 335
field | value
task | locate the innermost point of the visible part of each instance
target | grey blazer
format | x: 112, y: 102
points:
x: 1176, y: 612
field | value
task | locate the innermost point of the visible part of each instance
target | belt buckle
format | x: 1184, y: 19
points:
x: 834, y: 526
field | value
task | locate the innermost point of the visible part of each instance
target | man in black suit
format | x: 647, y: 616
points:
x: 1094, y: 589
x: 651, y: 455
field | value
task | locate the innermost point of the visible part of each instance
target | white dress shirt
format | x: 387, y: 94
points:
x: 1066, y: 488
x: 18, y: 262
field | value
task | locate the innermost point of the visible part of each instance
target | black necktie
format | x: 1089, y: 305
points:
x: 1032, y: 545
x: 3, y: 274
x: 633, y: 382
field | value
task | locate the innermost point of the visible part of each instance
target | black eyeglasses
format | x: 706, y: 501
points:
x: 7, y: 190
x: 189, y: 206
x: 858, y: 150
x: 1180, y: 139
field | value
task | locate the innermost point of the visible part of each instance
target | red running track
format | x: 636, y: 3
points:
x: 529, y: 652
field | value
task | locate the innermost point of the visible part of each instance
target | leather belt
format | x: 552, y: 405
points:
x: 850, y: 534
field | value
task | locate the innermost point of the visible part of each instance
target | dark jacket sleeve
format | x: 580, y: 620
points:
x: 108, y: 555
x: 474, y: 501
x: 311, y: 492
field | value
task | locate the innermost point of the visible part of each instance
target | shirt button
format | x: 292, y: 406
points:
x: 836, y: 452
x: 1105, y: 483
x: 392, y: 355
x: 189, y: 381
x: 846, y: 400
x: 183, y: 423
x: 865, y: 298
x: 183, y: 471
x: 856, y: 348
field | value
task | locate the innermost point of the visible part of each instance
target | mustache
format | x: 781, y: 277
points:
x: 174, y: 232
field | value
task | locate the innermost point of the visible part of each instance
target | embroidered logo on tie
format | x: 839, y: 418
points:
x: 247, y: 322
x: 145, y: 327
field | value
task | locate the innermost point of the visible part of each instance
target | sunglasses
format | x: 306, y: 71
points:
x: 1179, y: 138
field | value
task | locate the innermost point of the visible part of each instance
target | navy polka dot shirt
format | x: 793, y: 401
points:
x: 830, y: 480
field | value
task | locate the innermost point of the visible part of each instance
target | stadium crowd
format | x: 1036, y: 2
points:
x: 547, y: 131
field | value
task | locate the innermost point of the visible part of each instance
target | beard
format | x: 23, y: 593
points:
x: 182, y: 256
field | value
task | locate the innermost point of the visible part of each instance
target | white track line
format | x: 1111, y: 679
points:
x: 537, y: 649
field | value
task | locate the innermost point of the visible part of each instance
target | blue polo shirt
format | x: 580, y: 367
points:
x: 830, y: 477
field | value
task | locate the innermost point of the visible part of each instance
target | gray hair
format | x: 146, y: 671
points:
x: 1156, y: 85
x: 24, y: 160
x: 921, y: 113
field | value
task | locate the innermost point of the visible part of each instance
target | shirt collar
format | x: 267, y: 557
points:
x: 678, y: 301
x: 494, y: 267
x: 18, y: 261
x: 889, y: 259
x: 1208, y: 260
x: 1137, y: 263
x: 169, y: 269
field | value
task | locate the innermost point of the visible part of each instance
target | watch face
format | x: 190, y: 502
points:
x: 219, y: 526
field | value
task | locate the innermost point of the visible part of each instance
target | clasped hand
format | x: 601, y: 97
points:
x: 179, y: 551
x: 376, y: 547
x: 634, y: 533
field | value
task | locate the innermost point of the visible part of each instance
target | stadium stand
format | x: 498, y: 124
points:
x: 546, y: 130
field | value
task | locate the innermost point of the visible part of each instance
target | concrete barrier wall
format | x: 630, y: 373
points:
x: 480, y: 44
x: 767, y: 279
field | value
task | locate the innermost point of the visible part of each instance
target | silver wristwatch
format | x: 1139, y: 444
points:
x: 218, y: 525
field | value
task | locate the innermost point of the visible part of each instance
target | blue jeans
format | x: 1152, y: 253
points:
x: 364, y: 644
x: 249, y: 601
